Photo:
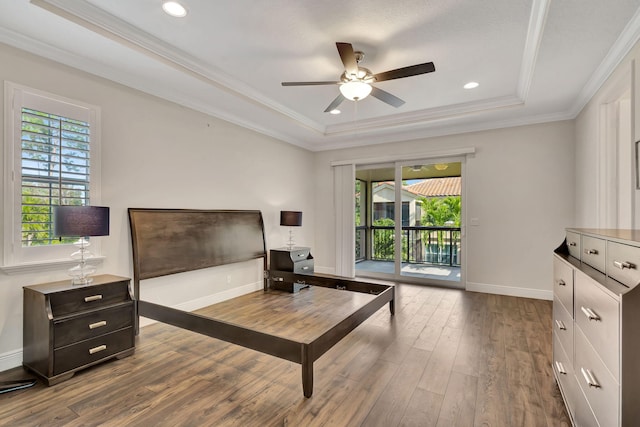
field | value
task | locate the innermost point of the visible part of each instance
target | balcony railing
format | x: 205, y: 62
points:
x: 420, y: 245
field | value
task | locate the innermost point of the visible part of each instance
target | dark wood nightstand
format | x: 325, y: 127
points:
x: 70, y: 327
x: 295, y: 260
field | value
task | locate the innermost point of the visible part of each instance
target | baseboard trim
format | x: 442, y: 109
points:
x: 210, y: 300
x: 10, y: 360
x: 510, y: 291
x: 325, y: 270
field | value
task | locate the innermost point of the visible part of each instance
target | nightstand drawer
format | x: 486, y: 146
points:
x: 598, y: 316
x: 86, y: 352
x: 89, y: 298
x: 304, y: 267
x: 286, y: 260
x: 593, y: 251
x: 623, y: 263
x: 93, y: 324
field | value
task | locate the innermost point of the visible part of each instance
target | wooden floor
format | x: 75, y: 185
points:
x: 447, y: 358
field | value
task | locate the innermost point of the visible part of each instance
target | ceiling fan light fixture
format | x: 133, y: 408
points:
x: 174, y: 8
x: 355, y: 90
x: 335, y: 111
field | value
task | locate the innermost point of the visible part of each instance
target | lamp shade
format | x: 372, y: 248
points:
x: 80, y: 221
x: 291, y: 218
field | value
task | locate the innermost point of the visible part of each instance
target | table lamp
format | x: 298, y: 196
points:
x: 81, y: 222
x: 290, y: 219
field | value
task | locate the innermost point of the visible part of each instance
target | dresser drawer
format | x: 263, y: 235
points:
x: 598, y: 315
x: 573, y: 243
x: 92, y: 324
x: 563, y: 368
x: 623, y: 263
x: 563, y: 283
x: 563, y: 327
x: 593, y: 251
x: 89, y: 298
x: 83, y: 353
x: 599, y: 387
x: 583, y: 415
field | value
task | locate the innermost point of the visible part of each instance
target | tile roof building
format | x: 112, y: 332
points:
x: 437, y: 187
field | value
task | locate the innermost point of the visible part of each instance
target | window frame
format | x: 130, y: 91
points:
x: 17, y: 258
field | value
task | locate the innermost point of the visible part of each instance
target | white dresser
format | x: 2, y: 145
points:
x: 596, y: 326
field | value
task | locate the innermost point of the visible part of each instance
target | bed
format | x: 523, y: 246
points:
x: 298, y: 327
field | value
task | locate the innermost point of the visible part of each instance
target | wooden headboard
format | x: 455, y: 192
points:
x: 169, y: 241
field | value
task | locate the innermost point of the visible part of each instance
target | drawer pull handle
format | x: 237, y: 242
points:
x: 588, y: 377
x: 591, y: 251
x: 93, y: 298
x: 97, y: 349
x: 560, y: 368
x: 624, y: 264
x: 302, y: 255
x: 98, y: 324
x: 591, y: 315
x: 561, y: 325
x: 573, y: 244
x: 306, y: 267
x: 561, y: 283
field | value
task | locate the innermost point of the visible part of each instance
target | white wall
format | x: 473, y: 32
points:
x: 519, y: 185
x: 599, y: 165
x: 158, y: 154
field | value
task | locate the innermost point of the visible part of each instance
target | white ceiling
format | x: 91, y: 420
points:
x: 535, y: 60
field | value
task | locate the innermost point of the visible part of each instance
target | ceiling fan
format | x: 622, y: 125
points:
x: 356, y: 82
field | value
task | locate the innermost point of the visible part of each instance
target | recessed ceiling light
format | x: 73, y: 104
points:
x: 471, y: 85
x: 335, y: 111
x: 174, y: 8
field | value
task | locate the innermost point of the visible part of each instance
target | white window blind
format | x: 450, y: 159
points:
x: 52, y: 147
x: 55, y: 170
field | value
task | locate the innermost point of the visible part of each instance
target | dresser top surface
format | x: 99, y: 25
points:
x: 65, y: 285
x: 630, y: 236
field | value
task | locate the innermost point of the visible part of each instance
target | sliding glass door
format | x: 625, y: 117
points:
x: 408, y: 222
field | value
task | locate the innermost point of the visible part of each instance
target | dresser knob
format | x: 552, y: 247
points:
x: 588, y: 377
x: 93, y: 298
x: 97, y: 349
x: 624, y: 264
x: 560, y: 368
x: 591, y: 315
x: 98, y: 324
x: 561, y: 325
x: 591, y: 251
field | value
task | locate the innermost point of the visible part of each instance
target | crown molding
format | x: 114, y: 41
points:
x: 119, y: 31
x: 622, y: 46
x: 537, y: 21
x: 447, y: 130
x: 432, y: 115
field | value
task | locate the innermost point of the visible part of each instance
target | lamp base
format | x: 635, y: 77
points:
x: 81, y: 272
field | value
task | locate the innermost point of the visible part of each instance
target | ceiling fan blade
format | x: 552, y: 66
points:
x: 348, y: 57
x: 334, y: 104
x: 386, y: 97
x: 399, y: 73
x: 308, y: 83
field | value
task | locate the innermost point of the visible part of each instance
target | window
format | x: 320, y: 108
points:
x: 54, y: 144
